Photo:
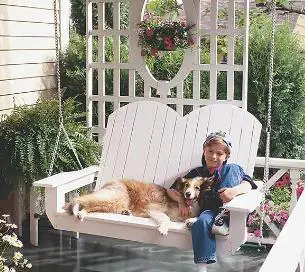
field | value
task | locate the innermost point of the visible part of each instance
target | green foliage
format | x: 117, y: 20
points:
x: 27, y: 140
x: 78, y: 15
x: 281, y: 197
x: 167, y: 66
x: 164, y: 8
x: 278, y: 2
x: 288, y: 98
x: 73, y: 69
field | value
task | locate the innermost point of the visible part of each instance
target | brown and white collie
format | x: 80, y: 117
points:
x: 137, y: 198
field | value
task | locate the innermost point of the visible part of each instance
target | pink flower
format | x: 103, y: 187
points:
x: 282, y: 222
x: 250, y: 219
x: 299, y: 191
x: 154, y: 51
x: 286, y: 179
x: 284, y: 215
x: 279, y: 184
x: 257, y: 233
x: 149, y: 33
x: 167, y: 41
x: 170, y: 47
x: 266, y: 207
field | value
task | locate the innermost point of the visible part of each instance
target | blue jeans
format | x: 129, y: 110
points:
x: 204, y: 242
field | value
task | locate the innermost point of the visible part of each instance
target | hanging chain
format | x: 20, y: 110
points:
x: 60, y: 117
x: 268, y: 125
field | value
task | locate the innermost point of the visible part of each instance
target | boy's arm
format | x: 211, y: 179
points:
x: 176, y: 196
x: 227, y: 194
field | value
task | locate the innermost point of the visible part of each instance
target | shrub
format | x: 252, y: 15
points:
x: 287, y: 135
x: 78, y: 15
x: 73, y: 69
x: 27, y: 140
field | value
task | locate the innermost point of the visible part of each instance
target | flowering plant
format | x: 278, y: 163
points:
x: 11, y: 260
x: 300, y: 187
x: 276, y: 214
x: 277, y: 208
x: 156, y: 35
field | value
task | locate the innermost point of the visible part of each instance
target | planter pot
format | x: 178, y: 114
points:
x: 14, y: 205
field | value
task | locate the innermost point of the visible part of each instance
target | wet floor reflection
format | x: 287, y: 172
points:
x: 58, y: 253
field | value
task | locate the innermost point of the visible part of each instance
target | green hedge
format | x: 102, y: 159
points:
x: 287, y: 135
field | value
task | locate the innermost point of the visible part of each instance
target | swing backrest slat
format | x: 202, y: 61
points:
x: 151, y: 142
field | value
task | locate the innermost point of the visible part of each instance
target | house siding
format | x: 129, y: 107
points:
x: 27, y: 52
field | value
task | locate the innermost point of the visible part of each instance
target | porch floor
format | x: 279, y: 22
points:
x: 58, y: 252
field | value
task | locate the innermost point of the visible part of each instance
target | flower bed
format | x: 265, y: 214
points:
x: 11, y: 260
x: 156, y: 36
x: 276, y: 205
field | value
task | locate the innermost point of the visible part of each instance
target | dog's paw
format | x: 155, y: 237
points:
x: 190, y: 221
x: 81, y: 215
x: 126, y: 212
x: 163, y: 229
x: 75, y: 209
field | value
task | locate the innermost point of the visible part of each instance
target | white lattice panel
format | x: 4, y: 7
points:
x: 114, y: 80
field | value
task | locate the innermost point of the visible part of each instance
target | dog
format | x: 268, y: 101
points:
x: 208, y: 199
x: 137, y: 198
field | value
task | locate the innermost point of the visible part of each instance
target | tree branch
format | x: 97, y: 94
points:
x: 291, y: 9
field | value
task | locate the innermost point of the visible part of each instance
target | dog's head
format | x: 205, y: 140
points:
x: 189, y: 187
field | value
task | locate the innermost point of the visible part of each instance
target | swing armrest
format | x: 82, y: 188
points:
x: 71, y: 179
x: 246, y: 203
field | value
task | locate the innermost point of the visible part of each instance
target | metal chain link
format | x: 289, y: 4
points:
x: 269, y: 107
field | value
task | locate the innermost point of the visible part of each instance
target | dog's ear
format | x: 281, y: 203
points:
x: 178, y: 184
x: 211, y: 180
x: 207, y: 182
x: 201, y: 181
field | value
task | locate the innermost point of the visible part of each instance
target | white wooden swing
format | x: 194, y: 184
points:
x: 149, y: 141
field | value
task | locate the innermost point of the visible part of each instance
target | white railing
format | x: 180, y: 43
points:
x: 288, y: 252
x: 294, y: 168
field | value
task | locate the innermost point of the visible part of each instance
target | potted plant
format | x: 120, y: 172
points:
x: 27, y: 141
x: 156, y: 35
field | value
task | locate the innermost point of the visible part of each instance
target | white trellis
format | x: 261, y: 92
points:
x: 208, y: 24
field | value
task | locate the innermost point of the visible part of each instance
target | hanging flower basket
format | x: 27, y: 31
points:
x: 156, y: 36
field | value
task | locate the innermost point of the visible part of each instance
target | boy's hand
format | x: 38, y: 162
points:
x: 227, y: 194
x: 185, y: 211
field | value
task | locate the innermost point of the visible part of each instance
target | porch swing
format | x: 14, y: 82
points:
x: 149, y: 141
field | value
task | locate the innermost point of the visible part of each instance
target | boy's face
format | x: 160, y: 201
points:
x: 214, y: 155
